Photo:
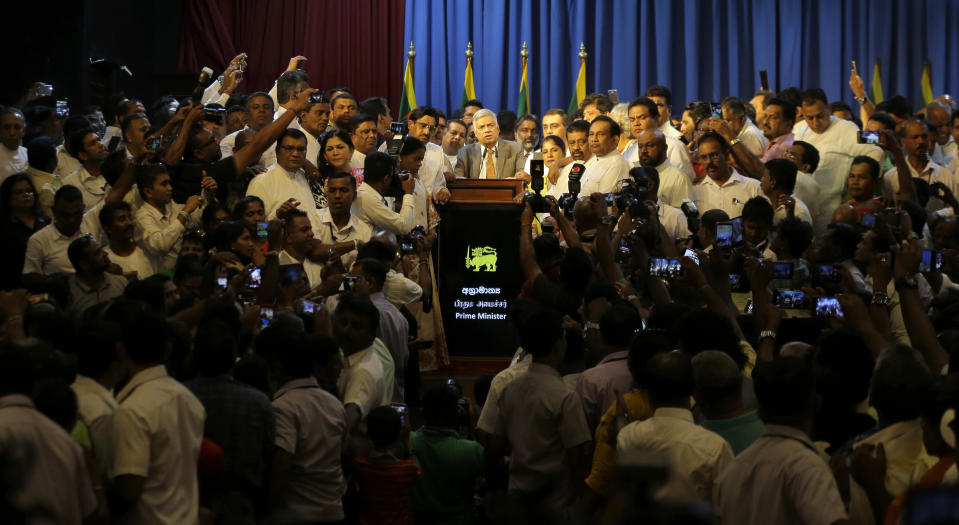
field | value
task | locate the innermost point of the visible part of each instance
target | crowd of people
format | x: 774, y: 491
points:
x: 216, y: 310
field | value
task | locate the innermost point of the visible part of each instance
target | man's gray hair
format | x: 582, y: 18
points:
x: 715, y: 371
x: 485, y: 113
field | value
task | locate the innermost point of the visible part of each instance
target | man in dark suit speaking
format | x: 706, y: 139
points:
x: 490, y: 157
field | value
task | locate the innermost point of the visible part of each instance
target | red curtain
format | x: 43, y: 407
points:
x: 355, y: 43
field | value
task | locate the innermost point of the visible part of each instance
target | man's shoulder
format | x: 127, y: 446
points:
x: 510, y: 146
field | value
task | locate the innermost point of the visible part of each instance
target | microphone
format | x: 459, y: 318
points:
x: 201, y: 84
x: 575, y: 174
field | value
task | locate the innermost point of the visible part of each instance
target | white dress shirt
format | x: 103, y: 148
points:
x: 55, y: 478
x: 109, y: 133
x: 676, y: 156
x: 327, y: 232
x: 358, y: 160
x: 278, y: 185
x: 801, y: 211
x: 137, y: 262
x: 807, y: 190
x: 371, y: 207
x: 93, y: 188
x: 311, y: 427
x: 490, y: 412
x: 12, y: 161
x: 157, y: 432
x: 400, y: 290
x: 752, y: 138
x: 931, y: 173
x: 669, y: 130
x: 450, y: 158
x: 947, y: 156
x: 673, y: 220
x: 431, y: 172
x: 47, y: 251
x: 160, y: 233
x: 314, y: 271
x: 393, y: 331
x: 674, y: 185
x: 696, y: 456
x: 95, y: 405
x: 267, y: 159
x: 837, y: 146
x: 604, y: 173
x: 312, y: 148
x: 730, y: 197
x: 562, y: 182
x: 363, y: 382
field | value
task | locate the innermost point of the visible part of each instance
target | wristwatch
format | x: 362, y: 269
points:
x: 861, y: 101
x: 591, y: 325
x: 908, y: 281
x: 881, y: 299
x: 771, y: 334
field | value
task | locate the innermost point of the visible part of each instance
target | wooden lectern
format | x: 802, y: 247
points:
x: 479, y: 270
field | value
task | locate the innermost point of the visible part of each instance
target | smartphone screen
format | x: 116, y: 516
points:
x: 668, y: 268
x: 868, y: 220
x: 828, y: 307
x: 724, y: 236
x: 261, y: 230
x: 221, y: 283
x: 782, y: 270
x: 308, y: 307
x: 400, y: 409
x: 790, y: 299
x: 266, y: 316
x: 826, y: 273
x: 256, y: 278
x: 869, y: 137
x: 692, y: 255
x: 931, y: 260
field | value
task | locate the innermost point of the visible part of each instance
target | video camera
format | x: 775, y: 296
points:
x: 536, y: 201
x: 214, y: 113
x: 408, y: 241
x: 692, y: 216
x: 395, y: 149
x: 568, y: 200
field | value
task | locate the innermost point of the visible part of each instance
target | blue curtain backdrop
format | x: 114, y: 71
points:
x: 701, y: 49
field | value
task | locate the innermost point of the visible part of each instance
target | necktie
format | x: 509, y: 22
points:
x: 490, y: 168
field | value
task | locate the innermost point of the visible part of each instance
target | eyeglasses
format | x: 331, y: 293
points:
x: 427, y: 126
x: 300, y: 149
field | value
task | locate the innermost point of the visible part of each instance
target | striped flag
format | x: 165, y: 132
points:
x: 876, y: 83
x: 469, y: 90
x: 523, y: 108
x: 408, y: 97
x: 925, y: 83
x: 579, y: 92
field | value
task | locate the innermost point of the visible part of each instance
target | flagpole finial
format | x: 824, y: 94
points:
x: 469, y: 50
x: 411, y: 53
x: 582, y: 51
x: 524, y: 53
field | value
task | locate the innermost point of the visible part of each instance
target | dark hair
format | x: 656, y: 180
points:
x: 256, y: 94
x: 358, y: 119
x: 813, y: 95
x: 614, y: 128
x: 783, y: 172
x: 715, y: 137
x: 840, y: 106
x: 810, y: 155
x: 874, y: 173
x: 6, y: 193
x: 77, y: 251
x: 109, y: 209
x: 342, y: 175
x: 698, y: 110
x: 383, y: 426
x: 424, y: 111
x: 95, y: 347
x: 456, y: 121
x: 709, y: 330
x: 147, y: 174
x: 144, y: 334
x: 377, y: 166
x: 846, y: 238
x: 797, y: 235
x: 376, y: 250
x: 187, y: 265
x: 42, y: 154
x: 473, y: 102
x: 439, y: 406
x: 352, y: 302
x: 788, y: 108
x: 226, y: 234
x: 644, y: 346
x: 660, y: 91
x: 785, y: 389
x: 844, y: 364
x: 900, y: 384
x: 374, y: 269
x: 896, y: 105
x: 287, y: 347
x: 602, y: 102
x: 289, y: 83
x: 128, y: 121
x: 375, y: 106
x: 113, y: 165
x: 540, y: 331
x: 241, y: 205
x: 645, y: 101
x: 209, y: 213
x: 506, y: 120
x: 214, y: 347
x: 321, y: 162
x: 150, y: 292
x: 345, y: 94
x: 411, y: 145
x: 640, y: 172
x: 734, y: 105
x: 530, y: 117
x: 558, y: 141
x: 669, y: 379
x: 759, y: 209
x: 619, y: 324
x: 66, y: 194
x: 74, y: 142
x: 561, y: 112
x: 885, y: 119
x: 579, y: 125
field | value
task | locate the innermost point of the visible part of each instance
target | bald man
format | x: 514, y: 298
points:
x: 718, y: 392
x: 674, y: 185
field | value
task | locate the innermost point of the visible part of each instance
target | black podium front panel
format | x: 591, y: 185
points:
x: 479, y: 276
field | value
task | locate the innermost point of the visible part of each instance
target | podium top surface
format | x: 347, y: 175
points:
x: 482, y: 191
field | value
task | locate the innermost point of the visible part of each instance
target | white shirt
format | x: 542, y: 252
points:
x: 431, y: 172
x: 314, y: 271
x: 401, y: 290
x: 158, y: 429
x: 562, y: 183
x: 137, y: 262
x: 676, y: 156
x: 312, y: 148
x: 358, y: 160
x: 95, y: 406
x: 371, y: 207
x: 267, y: 159
x: 327, y: 232
x: 674, y: 221
x: 55, y: 478
x: 109, y: 133
x: 159, y: 233
x: 278, y: 185
x: 696, y: 456
x: 730, y: 197
x: 931, y: 173
x: 801, y: 211
x: 450, y: 158
x: 393, y: 331
x: 490, y: 412
x: 311, y: 426
x: 752, y: 138
x: 807, y: 190
x: 837, y: 146
x: 93, y: 188
x: 66, y: 163
x: 602, y: 175
x: 947, y: 156
x: 362, y: 382
x: 12, y: 161
x: 47, y: 251
x: 674, y: 185
x: 669, y: 130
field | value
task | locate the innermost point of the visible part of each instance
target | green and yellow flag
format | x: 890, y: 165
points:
x: 925, y: 83
x: 579, y: 92
x: 876, y: 83
x: 469, y: 90
x: 523, y: 108
x: 408, y: 97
